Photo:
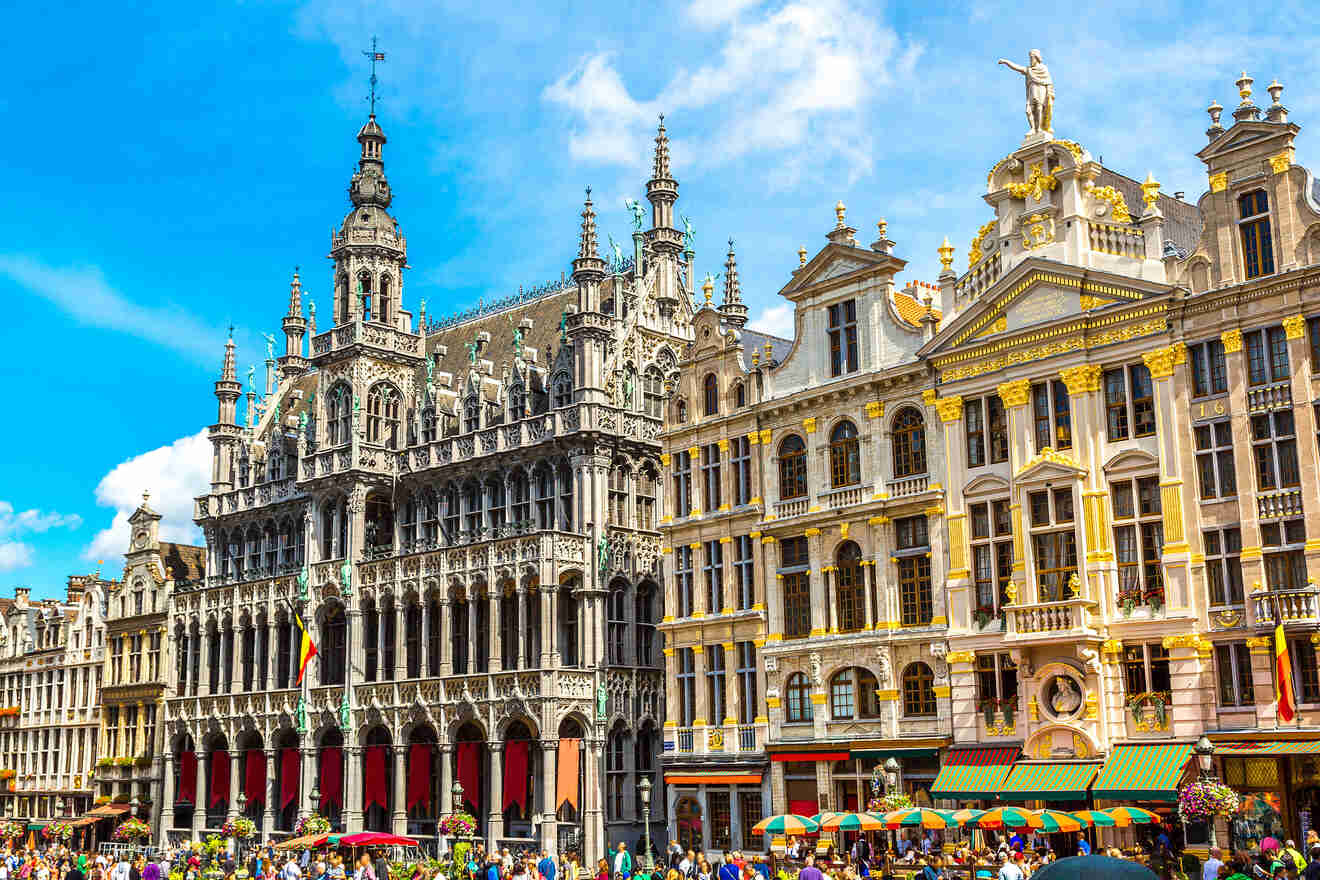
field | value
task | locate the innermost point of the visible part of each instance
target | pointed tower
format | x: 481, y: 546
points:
x: 224, y: 434
x: 295, y: 327
x: 588, y: 330
x: 369, y: 251
x: 732, y: 308
x: 663, y: 240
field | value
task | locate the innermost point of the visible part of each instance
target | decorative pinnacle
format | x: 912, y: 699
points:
x: 1215, y: 110
x: 707, y: 287
x: 946, y: 255
x: 1244, y: 88
x: 882, y: 226
x: 227, y: 372
x: 840, y: 211
x: 1276, y: 90
x: 1150, y: 190
x: 661, y: 164
x: 587, y: 247
x: 732, y: 289
x: 295, y: 295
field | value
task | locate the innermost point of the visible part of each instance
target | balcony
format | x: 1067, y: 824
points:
x: 847, y: 496
x: 979, y: 278
x: 378, y: 336
x: 747, y: 738
x: 1121, y: 241
x: 730, y: 739
x: 1279, y: 502
x: 1269, y: 397
x: 686, y: 740
x: 908, y: 486
x: 1050, y: 621
x: 999, y: 718
x: 1296, y: 606
x: 785, y: 509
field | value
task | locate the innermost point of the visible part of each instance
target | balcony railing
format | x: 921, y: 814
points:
x: 1287, y: 606
x: 746, y: 737
x: 907, y: 486
x: 1280, y: 502
x: 1121, y: 241
x: 785, y: 509
x: 686, y: 739
x: 848, y: 496
x: 1276, y: 396
x: 1047, y: 621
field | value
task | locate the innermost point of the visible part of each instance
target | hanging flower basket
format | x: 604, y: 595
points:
x: 61, y: 831
x: 458, y: 825
x: 313, y: 824
x: 1205, y: 799
x: 241, y: 828
x: 889, y: 803
x: 132, y: 831
x: 12, y: 830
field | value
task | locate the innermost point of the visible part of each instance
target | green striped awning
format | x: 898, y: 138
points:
x: 1308, y: 747
x: 1143, y: 773
x: 1048, y: 782
x: 974, y: 774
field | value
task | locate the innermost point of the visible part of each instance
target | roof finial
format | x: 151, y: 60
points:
x: 374, y: 56
x: 732, y: 290
x: 295, y: 295
x: 660, y: 170
x: 227, y: 370
x: 146, y: 496
x: 587, y: 246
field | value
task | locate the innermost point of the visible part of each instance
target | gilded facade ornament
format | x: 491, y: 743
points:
x: 1150, y: 191
x: 946, y: 255
x: 1219, y: 182
x: 809, y: 425
x: 974, y: 253
x: 1159, y: 362
x: 1281, y: 162
x: 1232, y: 340
x: 1011, y: 592
x: 1037, y: 231
x: 1082, y: 379
x: 1051, y: 455
x: 875, y: 409
x: 929, y: 396
x: 1033, y: 709
x: 1036, y: 185
x: 949, y: 408
x: 1295, y: 327
x: 1118, y: 209
x: 1072, y: 147
x: 1015, y: 393
x: 961, y: 657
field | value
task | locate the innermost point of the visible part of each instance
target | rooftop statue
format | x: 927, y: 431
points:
x: 1040, y: 93
x: 689, y: 237
x: 270, y: 345
x: 638, y: 212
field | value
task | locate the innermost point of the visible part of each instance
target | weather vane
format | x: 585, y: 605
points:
x: 374, y: 56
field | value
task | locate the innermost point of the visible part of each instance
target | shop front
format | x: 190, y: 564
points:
x: 1148, y: 776
x: 973, y: 777
x: 1278, y: 784
x: 715, y: 811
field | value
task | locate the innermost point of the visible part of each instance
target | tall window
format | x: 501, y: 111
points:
x: 710, y: 476
x: 383, y: 416
x: 714, y: 572
x: 746, y: 672
x: 740, y: 460
x: 616, y: 625
x: 1129, y: 402
x: 1214, y: 460
x: 618, y: 492
x: 563, y: 392
x: 852, y: 695
x: 996, y: 683
x: 1138, y: 540
x: 1233, y: 669
x: 845, y: 460
x: 644, y: 615
x: 1306, y: 676
x: 916, y: 605
x: 683, y: 580
x: 1274, y: 447
x: 1053, y: 542
x: 715, y: 684
x: 653, y: 392
x: 1209, y: 370
x: 1254, y: 226
x: 1267, y: 355
x: 646, y: 483
x: 1223, y: 567
x: 909, y: 440
x: 792, y: 468
x: 974, y: 427
x: 850, y: 588
x: 1051, y: 415
x: 843, y: 337
x: 797, y: 699
x: 1146, y: 670
x: 918, y: 690
x: 744, y: 583
x: 682, y: 483
x: 340, y: 415
x: 687, y: 687
x: 1285, y: 561
x: 710, y: 394
x: 992, y: 557
x: 616, y: 774
x: 793, y: 561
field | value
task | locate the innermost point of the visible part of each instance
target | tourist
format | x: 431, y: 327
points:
x: 623, y: 861
x: 729, y: 869
x: 1312, y: 871
x: 810, y: 871
x: 1210, y: 871
x: 1010, y: 867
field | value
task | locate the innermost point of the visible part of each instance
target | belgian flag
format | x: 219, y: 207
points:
x: 1283, y: 685
x: 306, y: 647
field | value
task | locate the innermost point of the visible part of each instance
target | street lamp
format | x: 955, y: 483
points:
x: 891, y: 785
x: 133, y: 807
x: 1205, y: 756
x: 644, y: 792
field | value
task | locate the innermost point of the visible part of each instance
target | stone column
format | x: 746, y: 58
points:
x: 496, y: 632
x: 769, y: 587
x: 735, y: 819
x: 473, y: 601
x: 547, y: 625
x: 593, y: 824
x: 165, y: 815
x: 755, y: 480
x: 702, y: 714
x: 549, y: 793
x: 273, y: 648
x: 398, y: 795
x: 495, y: 816
x: 700, y: 599
x: 235, y: 764
x: 957, y: 598
x: 271, y: 794
x: 1308, y: 462
x: 520, y: 598
x: 1016, y: 395
x: 446, y: 639
x: 552, y: 628
x: 400, y: 641
x: 446, y: 757
x: 352, y: 811
x: 199, y: 808
x: 732, y: 696
x: 307, y: 772
x: 816, y: 584
x: 1169, y: 428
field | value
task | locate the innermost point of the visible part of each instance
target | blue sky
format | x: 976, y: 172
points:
x: 169, y: 164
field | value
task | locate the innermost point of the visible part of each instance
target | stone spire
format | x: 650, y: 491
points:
x: 842, y: 233
x: 1276, y: 112
x: 295, y: 295
x: 587, y: 246
x: 662, y: 192
x: 369, y: 186
x: 733, y: 310
x: 295, y: 327
x: 227, y: 388
x: 588, y: 268
x: 661, y: 161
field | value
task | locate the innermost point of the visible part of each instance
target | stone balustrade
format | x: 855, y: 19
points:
x: 1050, y: 621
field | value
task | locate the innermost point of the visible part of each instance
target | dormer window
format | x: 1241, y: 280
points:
x: 1254, y: 225
x: 843, y: 337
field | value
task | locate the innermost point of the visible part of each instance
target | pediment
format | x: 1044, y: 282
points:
x: 986, y: 485
x: 1132, y: 460
x: 1050, y: 464
x: 143, y: 514
x: 839, y: 261
x: 1246, y: 134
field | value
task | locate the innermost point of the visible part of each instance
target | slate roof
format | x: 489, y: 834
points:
x: 187, y: 561
x: 1182, y: 220
x: 755, y: 339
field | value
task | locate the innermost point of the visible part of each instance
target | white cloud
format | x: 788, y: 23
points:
x: 776, y: 320
x: 173, y: 474
x: 85, y: 295
x: 16, y: 553
x: 804, y: 73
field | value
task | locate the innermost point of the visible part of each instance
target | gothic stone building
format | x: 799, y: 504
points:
x: 464, y: 513
x: 805, y: 623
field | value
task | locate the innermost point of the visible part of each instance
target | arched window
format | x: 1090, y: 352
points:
x: 850, y: 588
x: 563, y: 392
x: 909, y: 444
x: 383, y: 415
x: 618, y: 494
x: 644, y: 616
x: 383, y: 300
x: 616, y: 624
x: 852, y: 695
x: 275, y: 458
x: 918, y: 690
x: 710, y: 393
x: 740, y: 395
x: 845, y: 460
x: 797, y: 698
x: 335, y: 631
x: 520, y: 499
x: 680, y: 411
x: 517, y: 403
x: 616, y: 773
x: 428, y: 425
x: 653, y: 392
x: 792, y: 468
x: 1254, y: 226
x: 364, y: 295
x: 471, y: 414
x: 342, y: 297
x: 339, y: 423
x: 545, y: 497
x: 687, y: 815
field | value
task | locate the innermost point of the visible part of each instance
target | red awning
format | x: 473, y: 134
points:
x: 810, y: 756
x: 713, y: 778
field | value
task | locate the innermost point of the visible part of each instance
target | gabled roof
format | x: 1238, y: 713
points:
x: 837, y: 261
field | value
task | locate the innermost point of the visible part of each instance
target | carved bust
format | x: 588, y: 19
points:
x: 1064, y: 695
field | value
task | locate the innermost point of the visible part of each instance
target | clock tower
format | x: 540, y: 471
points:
x: 144, y: 529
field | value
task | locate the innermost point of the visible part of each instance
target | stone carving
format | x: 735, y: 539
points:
x: 1040, y: 93
x: 816, y: 677
x: 638, y: 212
x: 1064, y: 696
x: 884, y: 666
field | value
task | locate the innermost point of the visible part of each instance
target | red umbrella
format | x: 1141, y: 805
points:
x: 364, y: 838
